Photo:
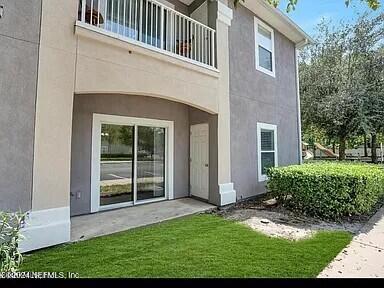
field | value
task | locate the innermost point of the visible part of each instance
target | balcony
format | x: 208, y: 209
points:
x: 152, y: 25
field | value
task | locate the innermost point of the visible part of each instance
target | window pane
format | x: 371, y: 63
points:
x: 265, y: 58
x: 267, y: 140
x: 150, y: 163
x: 267, y: 161
x: 265, y: 32
x: 265, y: 38
x: 116, y: 165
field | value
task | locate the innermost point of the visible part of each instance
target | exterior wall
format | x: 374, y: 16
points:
x: 194, y: 5
x: 107, y: 65
x: 179, y: 6
x: 19, y: 46
x: 75, y: 60
x: 54, y: 105
x: 49, y: 221
x: 130, y: 106
x: 257, y: 97
x: 212, y: 10
x: 87, y: 62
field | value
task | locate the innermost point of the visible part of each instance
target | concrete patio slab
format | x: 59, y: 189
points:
x: 108, y: 222
x: 364, y: 256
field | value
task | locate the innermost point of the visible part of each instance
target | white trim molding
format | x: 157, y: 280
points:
x: 227, y: 194
x: 44, y: 228
x: 258, y: 23
x: 224, y: 13
x: 278, y: 20
x: 271, y: 127
x: 298, y: 106
x: 98, y: 120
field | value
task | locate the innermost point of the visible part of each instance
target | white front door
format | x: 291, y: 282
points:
x: 199, y: 161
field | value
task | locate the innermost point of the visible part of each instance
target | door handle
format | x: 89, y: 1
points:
x: 206, y: 165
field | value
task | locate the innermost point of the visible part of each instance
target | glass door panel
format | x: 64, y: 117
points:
x: 116, y: 164
x: 150, y: 163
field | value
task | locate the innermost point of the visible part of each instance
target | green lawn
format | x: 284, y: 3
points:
x: 196, y: 246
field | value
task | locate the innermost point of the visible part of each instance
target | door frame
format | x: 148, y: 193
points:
x: 98, y: 120
x: 190, y: 158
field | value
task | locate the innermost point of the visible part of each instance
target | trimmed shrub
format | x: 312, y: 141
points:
x: 328, y: 190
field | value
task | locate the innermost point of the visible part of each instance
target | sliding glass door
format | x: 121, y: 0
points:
x: 132, y: 164
x: 116, y: 164
x: 150, y: 163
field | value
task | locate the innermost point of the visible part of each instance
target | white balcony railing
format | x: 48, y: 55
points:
x: 151, y: 23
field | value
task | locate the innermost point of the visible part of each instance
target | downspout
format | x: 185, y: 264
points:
x: 299, y: 46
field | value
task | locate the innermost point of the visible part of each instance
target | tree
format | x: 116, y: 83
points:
x: 110, y: 133
x: 324, y: 101
x: 373, y: 100
x: 126, y: 135
x: 291, y: 4
x: 341, y: 80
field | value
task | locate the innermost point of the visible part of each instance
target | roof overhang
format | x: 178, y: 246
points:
x: 279, y: 21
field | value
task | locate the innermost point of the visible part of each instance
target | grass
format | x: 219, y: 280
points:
x: 113, y: 190
x: 196, y: 246
x: 120, y: 189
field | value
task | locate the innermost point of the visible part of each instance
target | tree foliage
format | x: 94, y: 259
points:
x: 341, y: 79
x: 291, y: 4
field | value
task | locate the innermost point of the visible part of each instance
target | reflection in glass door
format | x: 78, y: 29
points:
x: 150, y: 163
x: 132, y: 163
x: 116, y: 164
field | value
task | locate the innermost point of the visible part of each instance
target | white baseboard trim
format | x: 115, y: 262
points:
x: 46, y: 228
x: 227, y: 194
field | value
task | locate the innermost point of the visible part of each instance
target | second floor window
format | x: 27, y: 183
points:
x: 265, y: 48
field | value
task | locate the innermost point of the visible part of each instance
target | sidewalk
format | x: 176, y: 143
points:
x: 364, y: 256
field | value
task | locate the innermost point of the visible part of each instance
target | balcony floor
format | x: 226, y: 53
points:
x: 108, y: 222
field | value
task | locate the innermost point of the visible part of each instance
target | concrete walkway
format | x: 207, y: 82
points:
x: 108, y: 222
x: 364, y: 257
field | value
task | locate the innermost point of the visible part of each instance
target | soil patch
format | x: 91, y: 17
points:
x: 276, y: 221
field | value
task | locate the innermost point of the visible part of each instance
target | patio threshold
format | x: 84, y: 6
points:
x: 108, y: 222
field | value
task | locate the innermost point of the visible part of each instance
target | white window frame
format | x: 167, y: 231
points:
x: 258, y: 23
x: 264, y: 126
x: 98, y: 120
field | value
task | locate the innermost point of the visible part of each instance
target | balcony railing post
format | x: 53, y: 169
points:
x: 140, y: 30
x: 118, y: 17
x: 105, y: 14
x: 91, y: 16
x: 125, y: 24
x: 162, y: 28
x: 213, y: 48
x: 98, y: 13
x: 83, y: 4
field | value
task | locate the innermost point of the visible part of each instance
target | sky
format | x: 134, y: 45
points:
x: 309, y: 13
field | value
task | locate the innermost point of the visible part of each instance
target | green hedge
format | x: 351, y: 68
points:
x: 328, y: 190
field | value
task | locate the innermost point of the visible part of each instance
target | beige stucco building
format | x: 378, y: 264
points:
x: 128, y: 102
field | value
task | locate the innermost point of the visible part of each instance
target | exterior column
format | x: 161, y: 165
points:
x: 227, y: 194
x: 49, y: 221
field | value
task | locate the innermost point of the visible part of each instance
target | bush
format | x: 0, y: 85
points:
x: 328, y: 190
x: 10, y: 256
